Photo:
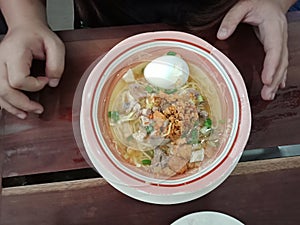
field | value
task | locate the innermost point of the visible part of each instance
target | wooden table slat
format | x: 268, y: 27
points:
x: 254, y: 198
x: 257, y: 192
x: 49, y: 140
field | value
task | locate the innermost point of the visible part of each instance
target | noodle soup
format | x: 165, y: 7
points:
x: 164, y: 132
x: 164, y: 141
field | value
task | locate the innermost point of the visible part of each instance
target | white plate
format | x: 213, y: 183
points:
x: 207, y: 218
x: 123, y: 180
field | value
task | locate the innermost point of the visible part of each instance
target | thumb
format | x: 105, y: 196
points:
x: 233, y: 17
x: 55, y: 60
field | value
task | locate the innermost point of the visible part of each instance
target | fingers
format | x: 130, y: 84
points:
x: 14, y: 101
x: 55, y: 51
x: 272, y: 33
x: 19, y: 65
x: 11, y: 109
x: 19, y: 104
x: 17, y: 50
x: 283, y: 82
x: 268, y: 92
x: 274, y: 41
x: 28, y: 83
x: 274, y: 73
x: 18, y: 68
x: 233, y: 17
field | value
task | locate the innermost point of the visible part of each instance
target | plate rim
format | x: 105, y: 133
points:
x: 205, y: 212
x: 245, y: 112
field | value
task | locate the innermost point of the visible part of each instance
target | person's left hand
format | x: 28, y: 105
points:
x: 269, y: 17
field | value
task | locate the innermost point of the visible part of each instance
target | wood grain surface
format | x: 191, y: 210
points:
x: 49, y: 141
x: 257, y: 192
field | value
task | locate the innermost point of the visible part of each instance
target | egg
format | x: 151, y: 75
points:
x: 167, y: 72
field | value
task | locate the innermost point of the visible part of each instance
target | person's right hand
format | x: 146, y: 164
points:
x: 19, y: 47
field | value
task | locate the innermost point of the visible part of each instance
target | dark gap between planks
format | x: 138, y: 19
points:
x: 80, y: 174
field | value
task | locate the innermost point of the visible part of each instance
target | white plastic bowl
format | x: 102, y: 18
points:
x: 229, y: 102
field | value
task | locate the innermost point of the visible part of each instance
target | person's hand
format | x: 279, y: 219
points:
x: 19, y: 47
x: 269, y: 17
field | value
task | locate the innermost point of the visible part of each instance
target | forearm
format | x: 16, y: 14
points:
x: 20, y: 12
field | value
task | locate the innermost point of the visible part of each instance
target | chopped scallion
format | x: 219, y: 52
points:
x: 207, y: 123
x: 149, y: 89
x: 200, y: 98
x: 170, y: 91
x: 146, y: 162
x: 194, y: 137
x: 171, y: 53
x: 149, y: 129
x: 114, y: 116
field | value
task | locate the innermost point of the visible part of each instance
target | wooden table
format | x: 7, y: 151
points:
x: 39, y: 155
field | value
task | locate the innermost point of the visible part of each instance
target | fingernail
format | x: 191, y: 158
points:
x: 21, y: 116
x: 53, y: 82
x: 222, y: 33
x: 272, y: 96
x: 39, y: 111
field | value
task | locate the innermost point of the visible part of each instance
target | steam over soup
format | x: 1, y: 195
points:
x: 165, y: 132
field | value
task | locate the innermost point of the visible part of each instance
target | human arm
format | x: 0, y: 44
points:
x: 269, y: 18
x: 28, y: 38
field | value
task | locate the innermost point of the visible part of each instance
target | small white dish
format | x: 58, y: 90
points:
x: 207, y: 218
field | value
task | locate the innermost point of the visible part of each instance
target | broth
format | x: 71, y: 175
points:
x: 163, y: 132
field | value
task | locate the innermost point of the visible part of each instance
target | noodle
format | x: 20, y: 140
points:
x: 164, y: 132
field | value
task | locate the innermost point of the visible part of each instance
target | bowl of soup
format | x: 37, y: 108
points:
x: 164, y: 117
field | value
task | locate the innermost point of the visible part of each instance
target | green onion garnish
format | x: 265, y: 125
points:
x: 149, y: 129
x: 171, y: 53
x: 149, y: 89
x: 207, y: 123
x: 194, y: 137
x: 200, y: 98
x: 146, y: 162
x: 170, y: 91
x: 114, y: 115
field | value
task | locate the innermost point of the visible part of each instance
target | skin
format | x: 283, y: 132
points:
x: 29, y: 37
x: 268, y: 17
